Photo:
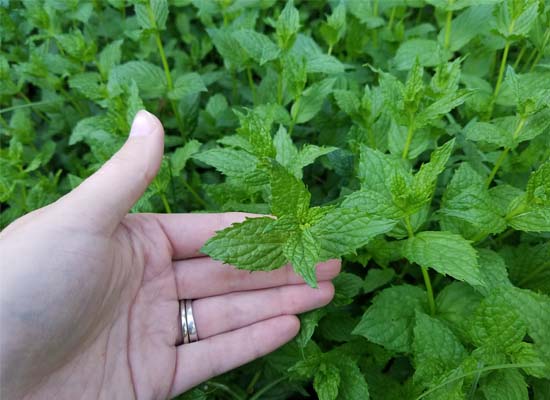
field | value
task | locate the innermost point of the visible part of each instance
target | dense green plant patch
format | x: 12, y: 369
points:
x: 411, y: 138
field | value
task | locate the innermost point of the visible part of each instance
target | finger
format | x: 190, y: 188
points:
x: 107, y: 196
x: 218, y: 314
x: 206, y: 358
x: 187, y: 233
x: 203, y: 277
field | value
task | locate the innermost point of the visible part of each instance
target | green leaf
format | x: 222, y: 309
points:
x: 150, y: 78
x: 152, y: 15
x: 389, y: 320
x: 326, y: 382
x: 488, y: 133
x: 436, y: 350
x: 496, y: 324
x: 440, y: 107
x: 507, y: 384
x: 343, y: 230
x: 446, y: 253
x: 258, y: 46
x: 110, y: 57
x: 287, y: 26
x: 302, y: 250
x: 352, y: 381
x: 230, y: 162
x: 289, y: 196
x: 468, y: 207
x: 311, y: 101
x: 186, y: 85
x: 428, y: 52
x: 377, y: 278
x: 234, y: 246
x: 180, y: 157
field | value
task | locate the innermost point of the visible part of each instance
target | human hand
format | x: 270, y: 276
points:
x: 89, y: 296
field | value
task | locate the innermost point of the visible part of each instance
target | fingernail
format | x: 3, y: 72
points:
x: 142, y: 124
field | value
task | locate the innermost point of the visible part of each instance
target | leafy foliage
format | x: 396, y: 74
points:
x: 409, y: 138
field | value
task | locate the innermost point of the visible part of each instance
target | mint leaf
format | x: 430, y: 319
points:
x: 343, y: 230
x: 326, y: 382
x: 302, y: 250
x: 389, y: 320
x: 233, y: 245
x: 445, y: 252
x: 505, y: 384
x: 289, y: 196
x: 436, y: 349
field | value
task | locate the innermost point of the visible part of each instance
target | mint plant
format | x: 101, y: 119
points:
x: 409, y: 138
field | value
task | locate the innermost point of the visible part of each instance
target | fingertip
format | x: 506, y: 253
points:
x: 291, y: 325
x: 326, y: 293
x: 328, y: 270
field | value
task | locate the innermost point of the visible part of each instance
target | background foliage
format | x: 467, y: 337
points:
x: 410, y: 137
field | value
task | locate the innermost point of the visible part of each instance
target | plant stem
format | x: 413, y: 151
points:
x: 539, y: 52
x: 498, y: 163
x: 392, y: 17
x: 481, y: 370
x: 428, y: 283
x: 255, y: 378
x: 410, y: 133
x: 504, y: 153
x: 251, y: 84
x: 36, y: 103
x: 533, y: 274
x: 194, y: 194
x: 280, y: 88
x: 165, y: 203
x: 448, y: 23
x: 329, y: 51
x: 519, y: 57
x: 425, y: 275
x: 267, y: 388
x: 169, y: 82
x: 499, y: 79
x: 226, y: 389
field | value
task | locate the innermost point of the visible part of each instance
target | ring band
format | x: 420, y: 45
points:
x: 188, y: 328
x: 191, y: 326
x: 183, y: 320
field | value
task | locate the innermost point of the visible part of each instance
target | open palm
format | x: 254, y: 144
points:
x: 89, y: 298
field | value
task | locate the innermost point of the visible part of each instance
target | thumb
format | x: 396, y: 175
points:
x: 107, y: 196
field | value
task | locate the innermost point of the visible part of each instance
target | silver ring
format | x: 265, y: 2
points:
x: 191, y: 327
x: 183, y: 321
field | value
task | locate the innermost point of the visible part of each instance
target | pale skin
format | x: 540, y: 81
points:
x: 89, y: 293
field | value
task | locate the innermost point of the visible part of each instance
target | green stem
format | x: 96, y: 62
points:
x: 165, y: 202
x: 499, y: 79
x: 169, y: 81
x: 519, y: 57
x: 448, y: 23
x: 529, y: 60
x: 504, y: 153
x: 539, y: 52
x: 267, y: 388
x: 329, y: 51
x: 280, y: 88
x: 194, y: 194
x: 425, y: 274
x: 3, y: 122
x: 410, y: 133
x: 533, y: 274
x: 40, y: 113
x: 251, y: 84
x: 392, y: 17
x: 428, y: 283
x: 226, y: 389
x: 36, y: 103
x: 498, y: 163
x: 474, y: 372
x: 255, y: 378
